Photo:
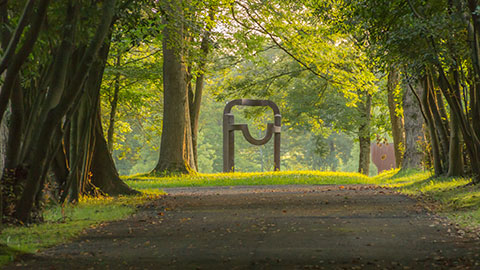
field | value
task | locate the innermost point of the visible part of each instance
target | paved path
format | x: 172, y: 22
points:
x: 270, y: 227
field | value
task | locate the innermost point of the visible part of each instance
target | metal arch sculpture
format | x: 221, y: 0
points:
x: 229, y: 127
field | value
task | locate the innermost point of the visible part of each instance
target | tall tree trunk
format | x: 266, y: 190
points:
x: 455, y: 155
x: 16, y: 126
x: 395, y: 120
x: 414, y: 136
x: 196, y: 101
x: 39, y: 155
x: 364, y: 134
x: 434, y: 142
x: 176, y: 150
x: 441, y: 123
x: 3, y: 144
x: 113, y: 105
x: 21, y: 55
x: 104, y: 174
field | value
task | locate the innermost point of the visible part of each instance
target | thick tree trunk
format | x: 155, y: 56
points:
x: 395, y: 120
x: 15, y: 129
x: 364, y: 134
x: 40, y: 152
x: 468, y: 123
x: 176, y: 150
x: 414, y: 136
x: 104, y: 174
x: 455, y: 155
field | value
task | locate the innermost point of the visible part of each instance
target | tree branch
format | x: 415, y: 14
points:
x: 12, y: 44
x: 272, y: 37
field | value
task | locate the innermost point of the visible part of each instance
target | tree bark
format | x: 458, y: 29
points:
x: 20, y: 57
x: 434, y: 142
x: 104, y: 174
x: 38, y: 158
x: 196, y: 101
x: 441, y: 123
x: 113, y: 106
x: 9, y: 49
x: 395, y: 120
x: 176, y: 150
x: 364, y: 134
x: 455, y: 154
x: 414, y: 136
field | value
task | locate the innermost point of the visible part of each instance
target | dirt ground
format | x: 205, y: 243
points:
x: 269, y: 227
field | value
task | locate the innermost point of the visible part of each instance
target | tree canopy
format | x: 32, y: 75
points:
x: 93, y: 88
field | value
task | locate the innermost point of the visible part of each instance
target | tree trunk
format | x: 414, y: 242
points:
x: 455, y: 154
x: 3, y: 143
x: 9, y: 41
x: 441, y: 124
x: 39, y: 153
x: 395, y: 120
x: 21, y: 55
x: 196, y: 102
x: 113, y: 106
x: 414, y: 136
x: 104, y: 174
x: 434, y: 142
x: 176, y: 150
x: 16, y: 126
x: 364, y: 134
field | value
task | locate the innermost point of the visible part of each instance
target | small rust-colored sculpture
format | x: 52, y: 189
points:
x: 383, y: 156
x: 229, y: 127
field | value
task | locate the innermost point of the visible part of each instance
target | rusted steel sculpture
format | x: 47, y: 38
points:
x: 383, y: 156
x: 229, y: 127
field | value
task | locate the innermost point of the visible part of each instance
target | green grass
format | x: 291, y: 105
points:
x: 149, y: 183
x: 63, y: 224
x: 450, y: 197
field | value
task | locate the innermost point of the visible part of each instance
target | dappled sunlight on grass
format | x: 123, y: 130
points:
x: 63, y: 223
x: 265, y: 178
x: 452, y: 197
x: 395, y: 177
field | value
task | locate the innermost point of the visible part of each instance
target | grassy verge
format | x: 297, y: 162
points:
x: 149, y: 183
x: 450, y: 197
x: 63, y: 223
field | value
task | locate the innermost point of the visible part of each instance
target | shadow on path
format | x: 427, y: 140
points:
x: 268, y: 227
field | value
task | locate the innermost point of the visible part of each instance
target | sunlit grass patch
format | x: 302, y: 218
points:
x: 235, y: 179
x: 395, y: 177
x: 452, y: 197
x: 63, y: 223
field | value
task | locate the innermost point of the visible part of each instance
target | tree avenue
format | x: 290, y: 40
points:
x: 87, y: 87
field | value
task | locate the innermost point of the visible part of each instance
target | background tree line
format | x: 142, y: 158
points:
x: 87, y: 84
